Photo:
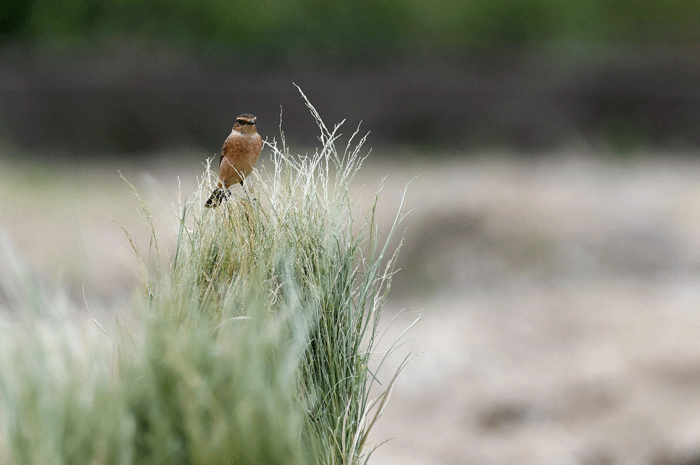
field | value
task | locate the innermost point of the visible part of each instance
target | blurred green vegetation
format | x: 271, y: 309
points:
x: 530, y: 74
x: 360, y: 30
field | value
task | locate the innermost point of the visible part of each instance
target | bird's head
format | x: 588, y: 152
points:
x: 245, y: 123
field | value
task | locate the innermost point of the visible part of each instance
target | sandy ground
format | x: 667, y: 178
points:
x: 559, y: 298
x: 559, y: 304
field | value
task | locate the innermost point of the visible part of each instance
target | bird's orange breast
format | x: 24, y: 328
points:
x: 238, y: 157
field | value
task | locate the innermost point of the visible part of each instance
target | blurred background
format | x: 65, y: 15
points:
x: 553, y: 247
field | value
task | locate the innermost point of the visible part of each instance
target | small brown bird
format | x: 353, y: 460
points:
x: 238, y: 156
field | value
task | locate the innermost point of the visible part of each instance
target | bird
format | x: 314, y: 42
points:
x: 238, y: 157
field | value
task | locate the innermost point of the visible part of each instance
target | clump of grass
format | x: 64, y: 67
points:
x: 255, y: 341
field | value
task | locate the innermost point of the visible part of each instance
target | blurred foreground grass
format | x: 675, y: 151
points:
x: 250, y: 342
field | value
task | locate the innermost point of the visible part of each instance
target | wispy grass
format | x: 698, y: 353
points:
x: 254, y: 340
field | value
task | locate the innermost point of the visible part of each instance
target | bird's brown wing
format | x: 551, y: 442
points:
x: 223, y: 153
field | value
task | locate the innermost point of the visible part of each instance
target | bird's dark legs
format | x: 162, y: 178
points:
x: 217, y: 197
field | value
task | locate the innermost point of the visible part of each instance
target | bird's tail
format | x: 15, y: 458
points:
x: 217, y: 197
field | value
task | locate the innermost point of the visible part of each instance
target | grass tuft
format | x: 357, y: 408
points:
x: 253, y: 343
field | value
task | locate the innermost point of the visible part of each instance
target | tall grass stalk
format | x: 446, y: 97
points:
x: 254, y: 343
